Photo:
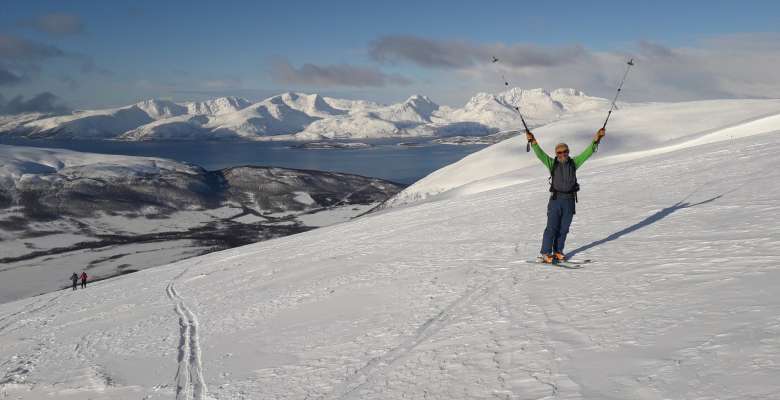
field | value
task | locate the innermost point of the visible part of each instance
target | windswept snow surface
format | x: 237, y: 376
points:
x: 435, y: 300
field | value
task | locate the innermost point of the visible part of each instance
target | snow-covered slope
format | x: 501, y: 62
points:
x: 184, y: 127
x: 99, y: 124
x: 284, y: 114
x: 410, y: 118
x: 298, y: 116
x: 435, y: 300
x: 351, y: 105
x: 191, y: 125
x: 634, y: 129
x: 20, y: 163
x: 129, y: 120
x: 9, y: 123
x: 159, y: 109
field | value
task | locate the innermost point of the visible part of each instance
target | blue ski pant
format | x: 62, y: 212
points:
x: 560, y: 212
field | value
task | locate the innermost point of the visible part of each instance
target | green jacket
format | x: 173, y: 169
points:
x: 549, y: 162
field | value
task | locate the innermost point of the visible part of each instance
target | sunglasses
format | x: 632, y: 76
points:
x: 562, y: 152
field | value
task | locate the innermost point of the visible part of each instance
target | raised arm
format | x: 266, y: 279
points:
x: 540, y: 154
x: 582, y: 157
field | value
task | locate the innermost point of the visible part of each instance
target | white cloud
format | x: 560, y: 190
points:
x: 333, y: 75
x: 734, y: 66
x: 462, y: 54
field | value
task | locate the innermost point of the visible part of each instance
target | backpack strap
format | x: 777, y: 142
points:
x: 551, y: 177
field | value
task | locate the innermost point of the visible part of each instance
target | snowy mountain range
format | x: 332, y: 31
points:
x: 297, y: 116
x: 679, y: 211
x: 116, y: 214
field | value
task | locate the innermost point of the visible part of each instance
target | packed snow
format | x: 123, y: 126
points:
x: 308, y: 117
x: 436, y: 300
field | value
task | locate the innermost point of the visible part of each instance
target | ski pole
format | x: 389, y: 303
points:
x: 527, y: 145
x: 629, y: 64
x: 506, y: 83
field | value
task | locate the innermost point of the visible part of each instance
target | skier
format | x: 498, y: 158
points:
x: 563, y: 189
x: 75, y: 279
x: 83, y: 279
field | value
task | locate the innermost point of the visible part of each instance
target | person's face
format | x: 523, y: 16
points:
x: 562, y: 154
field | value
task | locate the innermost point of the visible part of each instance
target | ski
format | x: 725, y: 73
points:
x: 559, y: 265
x: 578, y: 262
x: 573, y: 264
x: 569, y: 265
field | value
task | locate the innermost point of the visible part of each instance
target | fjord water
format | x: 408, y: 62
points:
x: 386, y: 159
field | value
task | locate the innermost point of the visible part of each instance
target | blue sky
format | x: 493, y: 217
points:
x: 97, y: 53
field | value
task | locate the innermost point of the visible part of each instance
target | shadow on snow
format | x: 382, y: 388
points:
x: 661, y: 214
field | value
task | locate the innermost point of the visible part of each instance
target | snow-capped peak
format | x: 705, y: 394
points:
x: 218, y: 106
x: 537, y: 105
x: 311, y: 104
x: 567, y: 92
x: 158, y: 109
x: 417, y: 98
x: 422, y: 105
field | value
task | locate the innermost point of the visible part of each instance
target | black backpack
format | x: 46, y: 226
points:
x: 570, y: 164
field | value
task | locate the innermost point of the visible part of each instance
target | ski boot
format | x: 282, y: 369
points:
x: 546, y: 258
x: 558, y: 256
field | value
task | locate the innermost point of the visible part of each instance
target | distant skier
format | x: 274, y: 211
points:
x: 83, y: 279
x: 563, y: 189
x: 75, y: 279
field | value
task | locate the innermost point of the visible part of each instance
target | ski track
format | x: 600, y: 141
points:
x: 679, y: 304
x: 348, y: 388
x: 29, y: 309
x: 519, y: 350
x: 190, y: 384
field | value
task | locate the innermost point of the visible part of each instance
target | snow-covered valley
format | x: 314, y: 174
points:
x: 305, y: 117
x: 63, y: 211
x: 680, y: 209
